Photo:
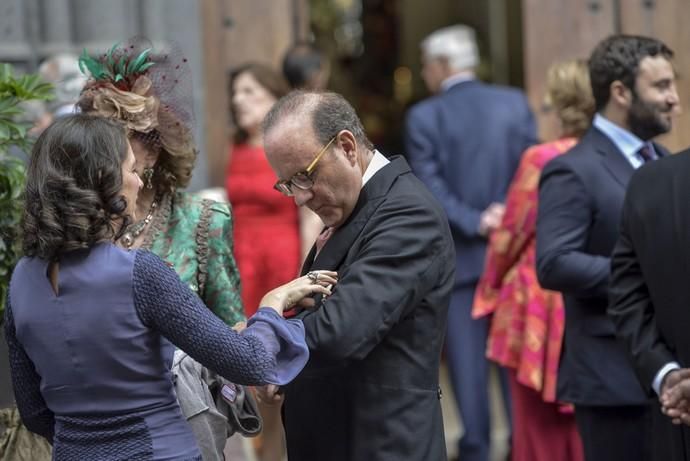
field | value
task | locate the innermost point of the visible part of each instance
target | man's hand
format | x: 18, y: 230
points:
x: 675, y: 396
x: 491, y: 218
x: 268, y: 395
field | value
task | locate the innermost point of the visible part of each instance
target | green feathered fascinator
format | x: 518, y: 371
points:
x: 116, y: 66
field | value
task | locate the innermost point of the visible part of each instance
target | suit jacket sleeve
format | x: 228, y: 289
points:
x: 402, y: 258
x: 27, y: 384
x: 631, y: 308
x: 422, y: 146
x: 527, y: 131
x: 563, y: 223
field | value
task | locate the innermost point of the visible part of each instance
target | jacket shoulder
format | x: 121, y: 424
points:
x: 192, y: 205
x: 658, y: 171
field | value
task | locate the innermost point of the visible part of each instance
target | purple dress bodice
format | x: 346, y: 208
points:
x: 99, y: 352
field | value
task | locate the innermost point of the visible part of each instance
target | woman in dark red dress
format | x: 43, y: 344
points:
x: 271, y: 235
x: 266, y: 233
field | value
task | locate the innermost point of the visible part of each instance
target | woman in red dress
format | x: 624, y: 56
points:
x: 527, y: 325
x: 271, y: 236
x: 266, y: 233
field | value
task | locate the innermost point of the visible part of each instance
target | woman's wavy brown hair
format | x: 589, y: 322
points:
x: 265, y: 76
x: 73, y: 197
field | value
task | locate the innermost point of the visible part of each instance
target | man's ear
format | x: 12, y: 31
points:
x: 347, y: 142
x: 620, y: 94
x: 445, y: 66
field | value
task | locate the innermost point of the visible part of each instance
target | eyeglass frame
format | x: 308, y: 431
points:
x: 284, y: 186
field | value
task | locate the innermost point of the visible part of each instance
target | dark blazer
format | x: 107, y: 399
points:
x: 580, y: 199
x: 650, y: 281
x: 465, y: 145
x: 370, y: 390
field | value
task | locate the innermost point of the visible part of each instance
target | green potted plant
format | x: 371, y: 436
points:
x: 14, y: 91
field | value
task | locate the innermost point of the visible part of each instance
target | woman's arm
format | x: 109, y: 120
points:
x: 167, y: 305
x: 510, y: 239
x: 26, y: 382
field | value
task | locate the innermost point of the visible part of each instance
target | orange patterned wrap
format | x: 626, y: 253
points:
x: 527, y: 326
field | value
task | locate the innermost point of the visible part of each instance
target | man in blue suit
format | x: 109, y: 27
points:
x: 580, y: 199
x: 465, y: 143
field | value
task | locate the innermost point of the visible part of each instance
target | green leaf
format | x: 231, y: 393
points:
x: 82, y: 66
x: 136, y: 65
x: 121, y: 67
x: 95, y: 68
x: 143, y: 67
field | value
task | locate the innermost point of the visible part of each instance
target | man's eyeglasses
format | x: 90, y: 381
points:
x: 304, y: 179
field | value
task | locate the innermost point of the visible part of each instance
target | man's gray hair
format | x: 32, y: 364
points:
x: 457, y: 44
x: 329, y: 112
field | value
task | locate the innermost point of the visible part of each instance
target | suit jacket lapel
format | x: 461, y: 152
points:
x: 372, y: 195
x: 660, y: 150
x: 614, y: 160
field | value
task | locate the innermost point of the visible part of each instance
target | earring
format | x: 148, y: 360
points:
x: 148, y: 174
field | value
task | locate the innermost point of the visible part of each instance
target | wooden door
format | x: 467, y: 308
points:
x: 562, y: 29
x: 235, y: 32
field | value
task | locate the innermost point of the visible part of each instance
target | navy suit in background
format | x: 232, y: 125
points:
x: 465, y: 145
x: 580, y: 199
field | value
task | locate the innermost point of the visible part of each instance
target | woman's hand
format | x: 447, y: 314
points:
x: 286, y: 296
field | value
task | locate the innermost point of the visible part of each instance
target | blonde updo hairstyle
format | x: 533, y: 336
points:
x: 154, y: 104
x: 569, y: 94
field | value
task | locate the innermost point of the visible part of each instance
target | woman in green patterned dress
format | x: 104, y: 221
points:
x: 151, y: 94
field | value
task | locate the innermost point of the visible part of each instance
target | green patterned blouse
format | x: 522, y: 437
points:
x: 194, y: 236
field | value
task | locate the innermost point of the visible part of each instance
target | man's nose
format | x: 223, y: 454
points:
x: 672, y: 99
x: 301, y: 196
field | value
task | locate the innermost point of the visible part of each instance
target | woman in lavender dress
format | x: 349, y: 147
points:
x: 91, y: 327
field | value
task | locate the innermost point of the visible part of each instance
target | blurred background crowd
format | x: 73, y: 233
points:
x: 245, y: 54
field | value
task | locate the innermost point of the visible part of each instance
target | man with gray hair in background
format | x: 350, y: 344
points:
x: 465, y: 143
x: 62, y: 70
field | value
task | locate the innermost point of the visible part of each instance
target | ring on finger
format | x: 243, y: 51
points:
x: 313, y: 276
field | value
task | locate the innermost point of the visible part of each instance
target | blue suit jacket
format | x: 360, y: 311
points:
x: 465, y: 145
x: 580, y: 199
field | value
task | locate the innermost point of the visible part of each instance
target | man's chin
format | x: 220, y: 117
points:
x: 329, y: 217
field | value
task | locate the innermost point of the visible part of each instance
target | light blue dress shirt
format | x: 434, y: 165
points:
x: 626, y: 142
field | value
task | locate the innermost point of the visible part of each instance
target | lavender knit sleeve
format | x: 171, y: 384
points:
x: 26, y: 384
x: 284, y: 339
x: 166, y: 304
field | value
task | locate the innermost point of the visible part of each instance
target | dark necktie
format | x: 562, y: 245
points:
x: 646, y: 153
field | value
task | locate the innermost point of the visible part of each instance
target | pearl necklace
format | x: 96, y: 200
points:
x: 133, y: 231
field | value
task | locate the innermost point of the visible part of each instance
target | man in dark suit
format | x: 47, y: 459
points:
x: 580, y: 199
x: 465, y: 143
x: 370, y: 390
x: 650, y: 292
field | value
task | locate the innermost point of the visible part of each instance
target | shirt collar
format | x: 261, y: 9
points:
x: 624, y: 140
x: 464, y: 76
x: 378, y: 161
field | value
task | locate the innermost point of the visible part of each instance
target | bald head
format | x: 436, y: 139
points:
x: 318, y: 138
x: 327, y: 113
